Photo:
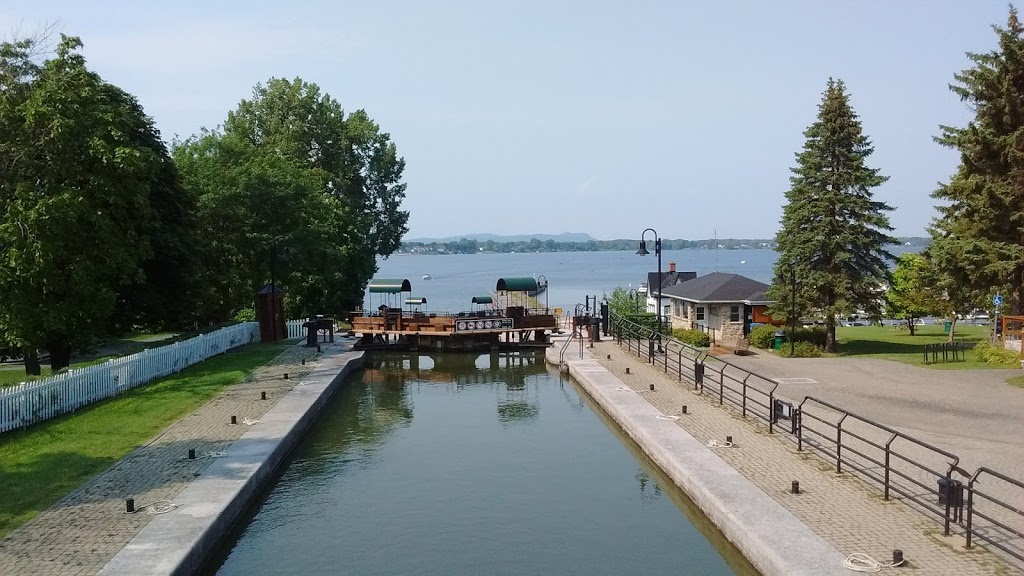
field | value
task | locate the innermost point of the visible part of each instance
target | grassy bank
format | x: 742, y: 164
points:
x: 42, y: 464
x: 889, y: 343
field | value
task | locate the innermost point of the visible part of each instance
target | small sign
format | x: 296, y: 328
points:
x: 483, y: 324
x: 997, y: 300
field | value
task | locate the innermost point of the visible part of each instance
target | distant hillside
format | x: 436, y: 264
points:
x: 563, y: 237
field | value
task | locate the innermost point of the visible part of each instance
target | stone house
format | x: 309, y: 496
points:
x: 723, y: 305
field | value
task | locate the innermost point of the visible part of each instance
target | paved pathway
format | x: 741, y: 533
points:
x: 839, y: 507
x: 82, y: 532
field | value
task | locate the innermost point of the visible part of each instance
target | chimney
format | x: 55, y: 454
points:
x: 672, y: 267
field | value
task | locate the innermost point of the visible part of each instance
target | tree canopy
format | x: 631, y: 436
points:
x: 290, y: 169
x: 913, y: 294
x: 834, y: 232
x: 978, y: 237
x: 79, y: 165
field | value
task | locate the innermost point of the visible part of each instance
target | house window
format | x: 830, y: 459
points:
x: 700, y: 314
x: 686, y: 310
x: 734, y: 314
x: 667, y: 310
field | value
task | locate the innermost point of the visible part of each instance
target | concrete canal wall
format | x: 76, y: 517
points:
x: 774, y: 540
x: 181, y: 541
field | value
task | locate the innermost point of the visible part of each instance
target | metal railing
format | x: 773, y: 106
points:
x: 877, y: 452
x: 920, y: 473
x: 998, y: 533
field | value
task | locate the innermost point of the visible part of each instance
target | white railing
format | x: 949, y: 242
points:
x: 31, y: 402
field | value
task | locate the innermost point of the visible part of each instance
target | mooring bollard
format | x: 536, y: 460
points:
x: 795, y: 488
x: 234, y: 419
x: 129, y: 505
x: 684, y: 408
x: 897, y: 557
x: 285, y: 375
x: 303, y: 361
x: 191, y: 453
x: 263, y: 395
x: 728, y: 439
x: 652, y: 387
x: 627, y: 369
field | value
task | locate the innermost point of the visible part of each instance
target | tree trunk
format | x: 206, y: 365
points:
x: 910, y: 326
x: 32, y: 367
x: 830, y: 334
x: 952, y: 328
x: 1018, y: 292
x: 60, y: 354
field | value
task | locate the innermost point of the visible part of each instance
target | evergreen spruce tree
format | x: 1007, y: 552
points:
x: 978, y: 238
x: 834, y: 232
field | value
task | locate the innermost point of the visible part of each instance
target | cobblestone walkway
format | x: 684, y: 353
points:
x: 839, y: 507
x: 81, y: 533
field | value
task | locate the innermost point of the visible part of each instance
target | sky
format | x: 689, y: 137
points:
x: 534, y: 117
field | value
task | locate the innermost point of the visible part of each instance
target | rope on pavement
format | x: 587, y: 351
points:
x: 716, y: 444
x: 861, y: 562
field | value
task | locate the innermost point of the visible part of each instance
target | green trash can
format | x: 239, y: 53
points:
x: 780, y: 337
x: 947, y: 326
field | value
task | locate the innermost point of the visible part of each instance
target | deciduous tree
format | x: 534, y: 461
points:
x: 75, y: 186
x: 912, y: 294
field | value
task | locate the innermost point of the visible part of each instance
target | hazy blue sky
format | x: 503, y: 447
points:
x: 543, y: 117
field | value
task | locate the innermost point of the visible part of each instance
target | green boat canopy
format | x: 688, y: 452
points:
x: 521, y: 284
x: 483, y: 300
x: 416, y: 301
x: 389, y: 286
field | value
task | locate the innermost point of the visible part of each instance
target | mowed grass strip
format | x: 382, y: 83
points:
x: 890, y: 343
x: 42, y: 464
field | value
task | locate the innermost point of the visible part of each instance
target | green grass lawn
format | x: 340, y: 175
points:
x: 42, y: 464
x: 889, y: 343
x: 1017, y: 381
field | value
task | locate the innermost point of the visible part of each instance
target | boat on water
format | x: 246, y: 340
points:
x: 426, y: 276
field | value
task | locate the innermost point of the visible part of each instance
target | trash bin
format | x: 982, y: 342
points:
x: 947, y: 327
x: 950, y: 489
x: 780, y: 337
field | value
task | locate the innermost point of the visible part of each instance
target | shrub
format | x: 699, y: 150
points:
x: 692, y: 337
x: 245, y: 315
x: 762, y: 336
x: 986, y: 352
x: 803, y: 349
x: 815, y: 335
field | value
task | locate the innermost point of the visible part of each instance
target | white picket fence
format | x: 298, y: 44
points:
x: 32, y: 402
x: 295, y: 329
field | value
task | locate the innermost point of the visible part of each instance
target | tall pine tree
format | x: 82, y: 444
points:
x: 834, y: 232
x: 978, y: 238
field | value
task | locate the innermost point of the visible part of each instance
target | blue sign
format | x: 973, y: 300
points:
x: 997, y: 300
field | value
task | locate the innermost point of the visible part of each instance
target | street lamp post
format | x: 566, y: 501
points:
x: 657, y: 250
x: 792, y: 308
x: 273, y: 286
x: 635, y: 295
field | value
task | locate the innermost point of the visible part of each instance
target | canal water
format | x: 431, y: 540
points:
x: 465, y: 464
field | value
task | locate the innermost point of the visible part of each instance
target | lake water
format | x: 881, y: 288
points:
x: 464, y: 464
x: 456, y: 278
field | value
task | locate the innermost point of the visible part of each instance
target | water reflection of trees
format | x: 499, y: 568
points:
x: 509, y: 374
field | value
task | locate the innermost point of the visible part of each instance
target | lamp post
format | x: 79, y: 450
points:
x: 792, y: 308
x: 273, y: 286
x: 635, y: 295
x: 657, y: 250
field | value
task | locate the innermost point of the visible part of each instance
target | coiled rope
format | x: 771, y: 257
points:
x: 716, y: 444
x: 860, y: 562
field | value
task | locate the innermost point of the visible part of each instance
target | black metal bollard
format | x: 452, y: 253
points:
x: 191, y: 453
x: 795, y: 487
x: 129, y: 505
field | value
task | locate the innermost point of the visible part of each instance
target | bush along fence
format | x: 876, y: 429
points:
x: 32, y: 402
x: 930, y: 479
